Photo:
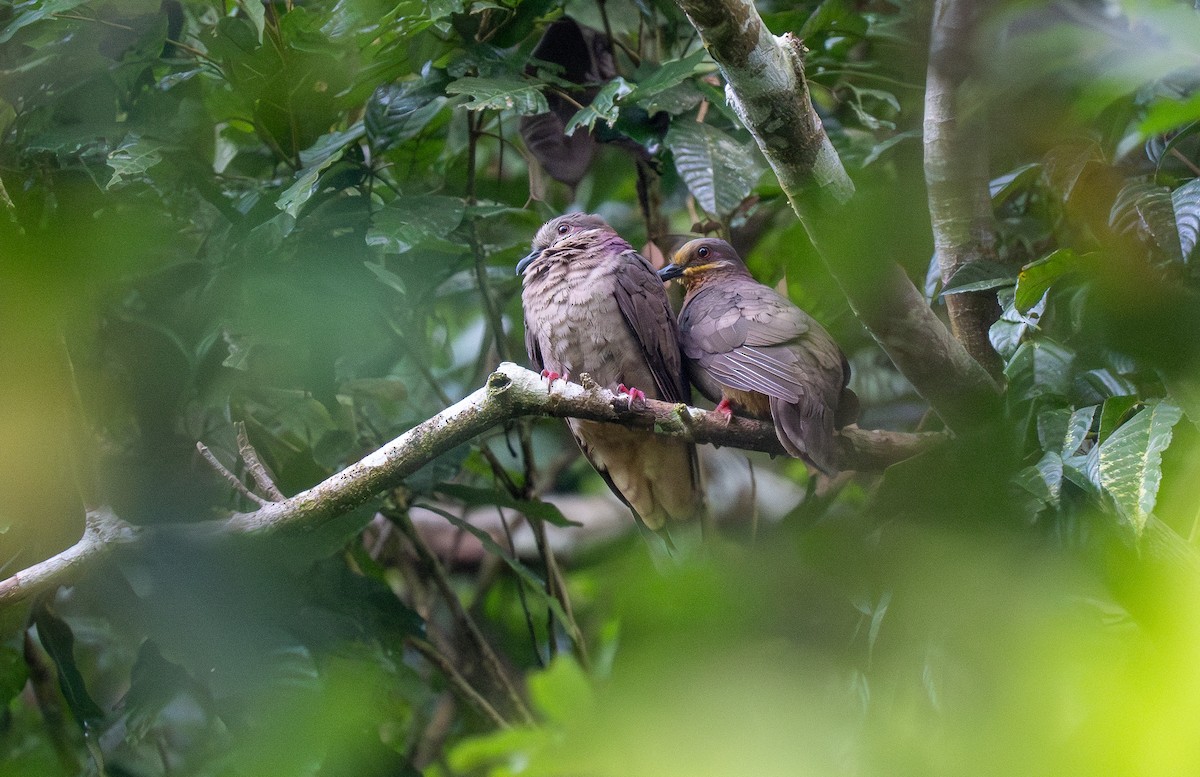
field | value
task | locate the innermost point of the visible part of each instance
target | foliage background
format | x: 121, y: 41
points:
x: 303, y: 217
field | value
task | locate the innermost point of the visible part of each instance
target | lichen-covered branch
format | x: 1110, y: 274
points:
x: 511, y: 392
x: 956, y: 175
x: 766, y: 85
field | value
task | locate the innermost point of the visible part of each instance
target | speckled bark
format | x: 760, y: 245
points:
x: 960, y: 207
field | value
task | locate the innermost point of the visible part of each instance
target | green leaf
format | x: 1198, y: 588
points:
x: 36, y: 12
x: 13, y: 674
x: 881, y: 148
x: 407, y: 221
x: 1131, y: 460
x: 255, y: 11
x: 669, y: 75
x: 1186, y: 202
x: 1166, y: 115
x: 519, y: 95
x: 398, y: 112
x: 325, y: 151
x: 1145, y: 209
x: 533, y: 508
x: 1005, y: 187
x: 56, y: 636
x: 132, y: 159
x: 386, y: 276
x: 562, y: 691
x: 978, y: 276
x: 1113, y: 413
x: 719, y: 171
x: 1044, y: 479
x: 602, y: 108
x: 1077, y: 429
x: 1039, y: 367
x: 1037, y: 277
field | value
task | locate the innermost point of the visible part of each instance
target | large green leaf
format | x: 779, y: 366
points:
x: 1131, y: 460
x: 1145, y: 209
x: 519, y: 95
x: 407, y: 221
x: 719, y: 171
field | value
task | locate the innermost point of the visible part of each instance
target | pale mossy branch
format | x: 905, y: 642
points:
x: 103, y: 533
x: 766, y: 85
x: 510, y: 392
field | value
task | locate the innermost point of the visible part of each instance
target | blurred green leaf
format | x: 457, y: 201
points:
x: 408, y: 221
x: 130, y: 160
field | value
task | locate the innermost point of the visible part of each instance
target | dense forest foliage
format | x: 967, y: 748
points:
x: 295, y: 223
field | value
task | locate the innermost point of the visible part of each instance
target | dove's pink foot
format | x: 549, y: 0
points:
x: 724, y: 409
x: 550, y: 375
x: 635, y: 394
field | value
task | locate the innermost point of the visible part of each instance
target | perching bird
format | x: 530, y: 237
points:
x: 593, y: 304
x: 752, y: 349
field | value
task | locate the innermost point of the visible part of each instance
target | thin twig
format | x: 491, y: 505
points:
x: 455, y: 678
x: 255, y: 466
x: 463, y: 618
x: 229, y: 476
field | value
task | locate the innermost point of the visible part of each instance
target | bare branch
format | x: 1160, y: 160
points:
x: 766, y: 85
x: 956, y: 175
x: 229, y: 477
x: 511, y: 392
x: 102, y: 534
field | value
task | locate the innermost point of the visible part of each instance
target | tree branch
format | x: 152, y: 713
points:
x: 510, y: 392
x: 956, y: 175
x: 766, y: 86
x: 103, y: 533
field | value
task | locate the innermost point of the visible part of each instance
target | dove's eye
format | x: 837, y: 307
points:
x: 702, y: 251
x: 563, y: 229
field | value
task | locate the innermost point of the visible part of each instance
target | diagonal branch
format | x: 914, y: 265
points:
x: 956, y: 175
x: 766, y: 86
x: 511, y: 392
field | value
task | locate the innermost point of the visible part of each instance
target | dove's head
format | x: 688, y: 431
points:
x: 699, y: 261
x: 565, y: 231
